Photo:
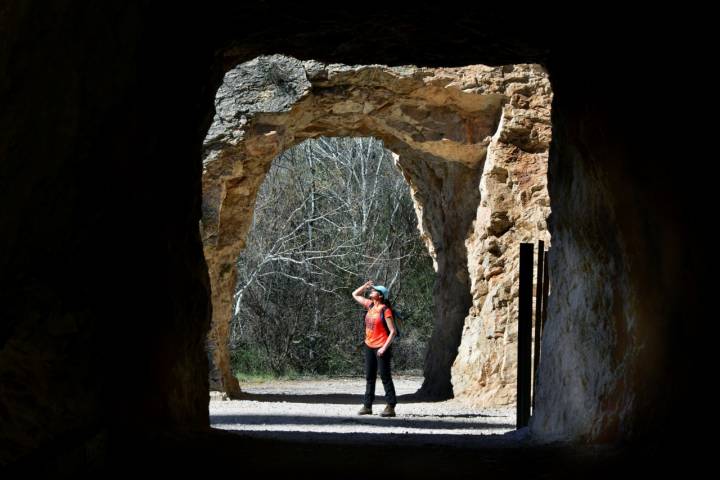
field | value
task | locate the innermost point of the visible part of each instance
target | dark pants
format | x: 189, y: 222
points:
x: 372, y: 363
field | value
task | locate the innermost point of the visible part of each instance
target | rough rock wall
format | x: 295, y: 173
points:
x: 514, y: 209
x: 609, y: 364
x: 103, y: 288
x: 441, y: 123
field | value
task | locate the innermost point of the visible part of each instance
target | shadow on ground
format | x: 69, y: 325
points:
x: 364, y: 420
x: 334, y: 398
x: 222, y: 452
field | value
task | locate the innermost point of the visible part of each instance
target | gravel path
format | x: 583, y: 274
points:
x: 325, y: 411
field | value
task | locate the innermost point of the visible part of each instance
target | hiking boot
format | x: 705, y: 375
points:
x: 388, y: 412
x: 365, y: 411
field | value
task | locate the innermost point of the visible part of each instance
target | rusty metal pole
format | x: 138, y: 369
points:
x: 540, y: 271
x: 524, y: 335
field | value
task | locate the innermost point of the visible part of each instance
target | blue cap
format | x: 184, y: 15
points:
x: 384, y: 291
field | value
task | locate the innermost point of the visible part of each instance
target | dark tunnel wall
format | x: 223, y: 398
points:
x: 104, y: 290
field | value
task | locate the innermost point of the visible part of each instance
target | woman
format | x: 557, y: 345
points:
x: 377, y: 348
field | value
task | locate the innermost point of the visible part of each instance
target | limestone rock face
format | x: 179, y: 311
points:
x: 472, y: 144
x: 514, y: 208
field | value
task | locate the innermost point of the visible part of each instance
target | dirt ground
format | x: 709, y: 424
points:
x: 326, y: 410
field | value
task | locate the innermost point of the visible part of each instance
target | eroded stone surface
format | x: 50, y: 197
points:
x: 514, y: 209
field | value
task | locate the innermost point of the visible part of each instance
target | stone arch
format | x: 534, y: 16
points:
x: 471, y: 142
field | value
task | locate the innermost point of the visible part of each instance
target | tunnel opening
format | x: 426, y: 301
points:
x: 471, y: 142
x: 601, y: 399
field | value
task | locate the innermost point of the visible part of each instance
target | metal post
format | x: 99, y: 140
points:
x: 540, y: 272
x: 524, y: 335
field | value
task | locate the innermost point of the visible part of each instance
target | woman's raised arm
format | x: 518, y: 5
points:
x: 357, y: 294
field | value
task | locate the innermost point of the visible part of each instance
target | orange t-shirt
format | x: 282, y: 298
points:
x: 375, y: 333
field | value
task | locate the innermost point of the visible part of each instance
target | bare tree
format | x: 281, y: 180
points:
x: 332, y: 213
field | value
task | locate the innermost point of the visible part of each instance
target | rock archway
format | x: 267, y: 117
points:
x: 472, y: 143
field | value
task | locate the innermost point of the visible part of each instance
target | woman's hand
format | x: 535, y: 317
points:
x: 358, y: 293
x: 380, y: 351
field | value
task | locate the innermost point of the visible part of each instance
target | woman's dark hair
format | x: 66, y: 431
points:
x: 389, y: 305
